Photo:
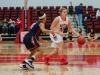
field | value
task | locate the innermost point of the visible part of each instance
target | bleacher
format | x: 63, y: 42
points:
x: 10, y: 13
x: 93, y: 22
x: 51, y: 13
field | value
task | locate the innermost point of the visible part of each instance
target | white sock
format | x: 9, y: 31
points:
x: 33, y: 56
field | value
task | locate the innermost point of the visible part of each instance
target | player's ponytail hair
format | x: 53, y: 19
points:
x: 41, y: 15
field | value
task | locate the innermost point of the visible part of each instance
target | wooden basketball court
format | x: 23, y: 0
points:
x: 83, y: 60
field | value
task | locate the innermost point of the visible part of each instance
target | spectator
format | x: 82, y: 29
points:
x: 18, y: 24
x: 71, y: 10
x: 11, y: 26
x: 79, y: 13
x: 5, y: 27
x: 70, y: 37
x: 87, y: 16
x: 98, y: 13
x: 1, y: 24
x: 80, y: 31
x: 0, y: 39
x: 92, y: 36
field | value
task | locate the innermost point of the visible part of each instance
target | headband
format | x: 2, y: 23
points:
x: 42, y: 16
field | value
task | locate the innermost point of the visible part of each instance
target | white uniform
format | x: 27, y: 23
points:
x: 56, y: 38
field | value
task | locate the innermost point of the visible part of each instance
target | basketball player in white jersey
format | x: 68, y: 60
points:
x: 59, y: 24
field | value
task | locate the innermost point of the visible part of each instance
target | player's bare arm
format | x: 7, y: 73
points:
x: 71, y: 29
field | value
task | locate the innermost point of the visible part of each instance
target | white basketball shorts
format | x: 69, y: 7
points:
x: 55, y: 39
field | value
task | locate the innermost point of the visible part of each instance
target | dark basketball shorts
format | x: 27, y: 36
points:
x: 31, y: 42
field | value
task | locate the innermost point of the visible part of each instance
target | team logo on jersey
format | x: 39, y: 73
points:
x: 62, y: 27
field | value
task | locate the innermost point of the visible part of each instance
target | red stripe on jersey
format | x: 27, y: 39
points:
x: 32, y: 39
x: 37, y: 32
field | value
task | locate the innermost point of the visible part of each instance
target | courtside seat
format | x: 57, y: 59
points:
x: 51, y: 7
x: 5, y: 8
x: 11, y: 8
x: 1, y: 14
x: 19, y: 13
x: 88, y: 25
x: 7, y: 13
x: 64, y: 7
x: 18, y: 8
x: 58, y: 7
x: 45, y: 7
x: 90, y: 8
x: 38, y: 7
x: 31, y: 7
x: 95, y: 10
x: 14, y: 14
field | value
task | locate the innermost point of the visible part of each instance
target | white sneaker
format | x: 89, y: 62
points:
x: 29, y: 62
x: 23, y: 66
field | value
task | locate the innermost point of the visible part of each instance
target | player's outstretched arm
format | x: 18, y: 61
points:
x: 42, y: 27
x: 71, y: 29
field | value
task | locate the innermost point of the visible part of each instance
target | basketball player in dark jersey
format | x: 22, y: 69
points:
x: 30, y: 40
x: 92, y: 36
x: 70, y: 37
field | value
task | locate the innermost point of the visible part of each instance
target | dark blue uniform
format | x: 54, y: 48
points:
x: 30, y: 39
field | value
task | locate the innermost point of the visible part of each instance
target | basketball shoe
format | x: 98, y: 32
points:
x: 23, y: 66
x: 29, y: 62
x: 46, y: 60
x: 63, y: 62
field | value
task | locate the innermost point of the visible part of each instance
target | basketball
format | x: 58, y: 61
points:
x: 81, y: 40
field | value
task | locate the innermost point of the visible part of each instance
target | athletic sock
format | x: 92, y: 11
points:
x: 33, y: 57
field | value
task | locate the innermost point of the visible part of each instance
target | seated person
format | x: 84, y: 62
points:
x: 1, y: 24
x: 80, y: 31
x: 92, y: 36
x: 0, y: 38
x: 98, y: 13
x: 87, y: 16
x: 70, y: 37
x: 11, y: 26
x: 5, y: 27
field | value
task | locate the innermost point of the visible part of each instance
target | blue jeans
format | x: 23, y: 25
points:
x: 79, y: 19
x: 10, y: 29
x: 4, y: 29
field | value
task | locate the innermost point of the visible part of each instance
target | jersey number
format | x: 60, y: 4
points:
x: 32, y: 25
x: 62, y: 27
